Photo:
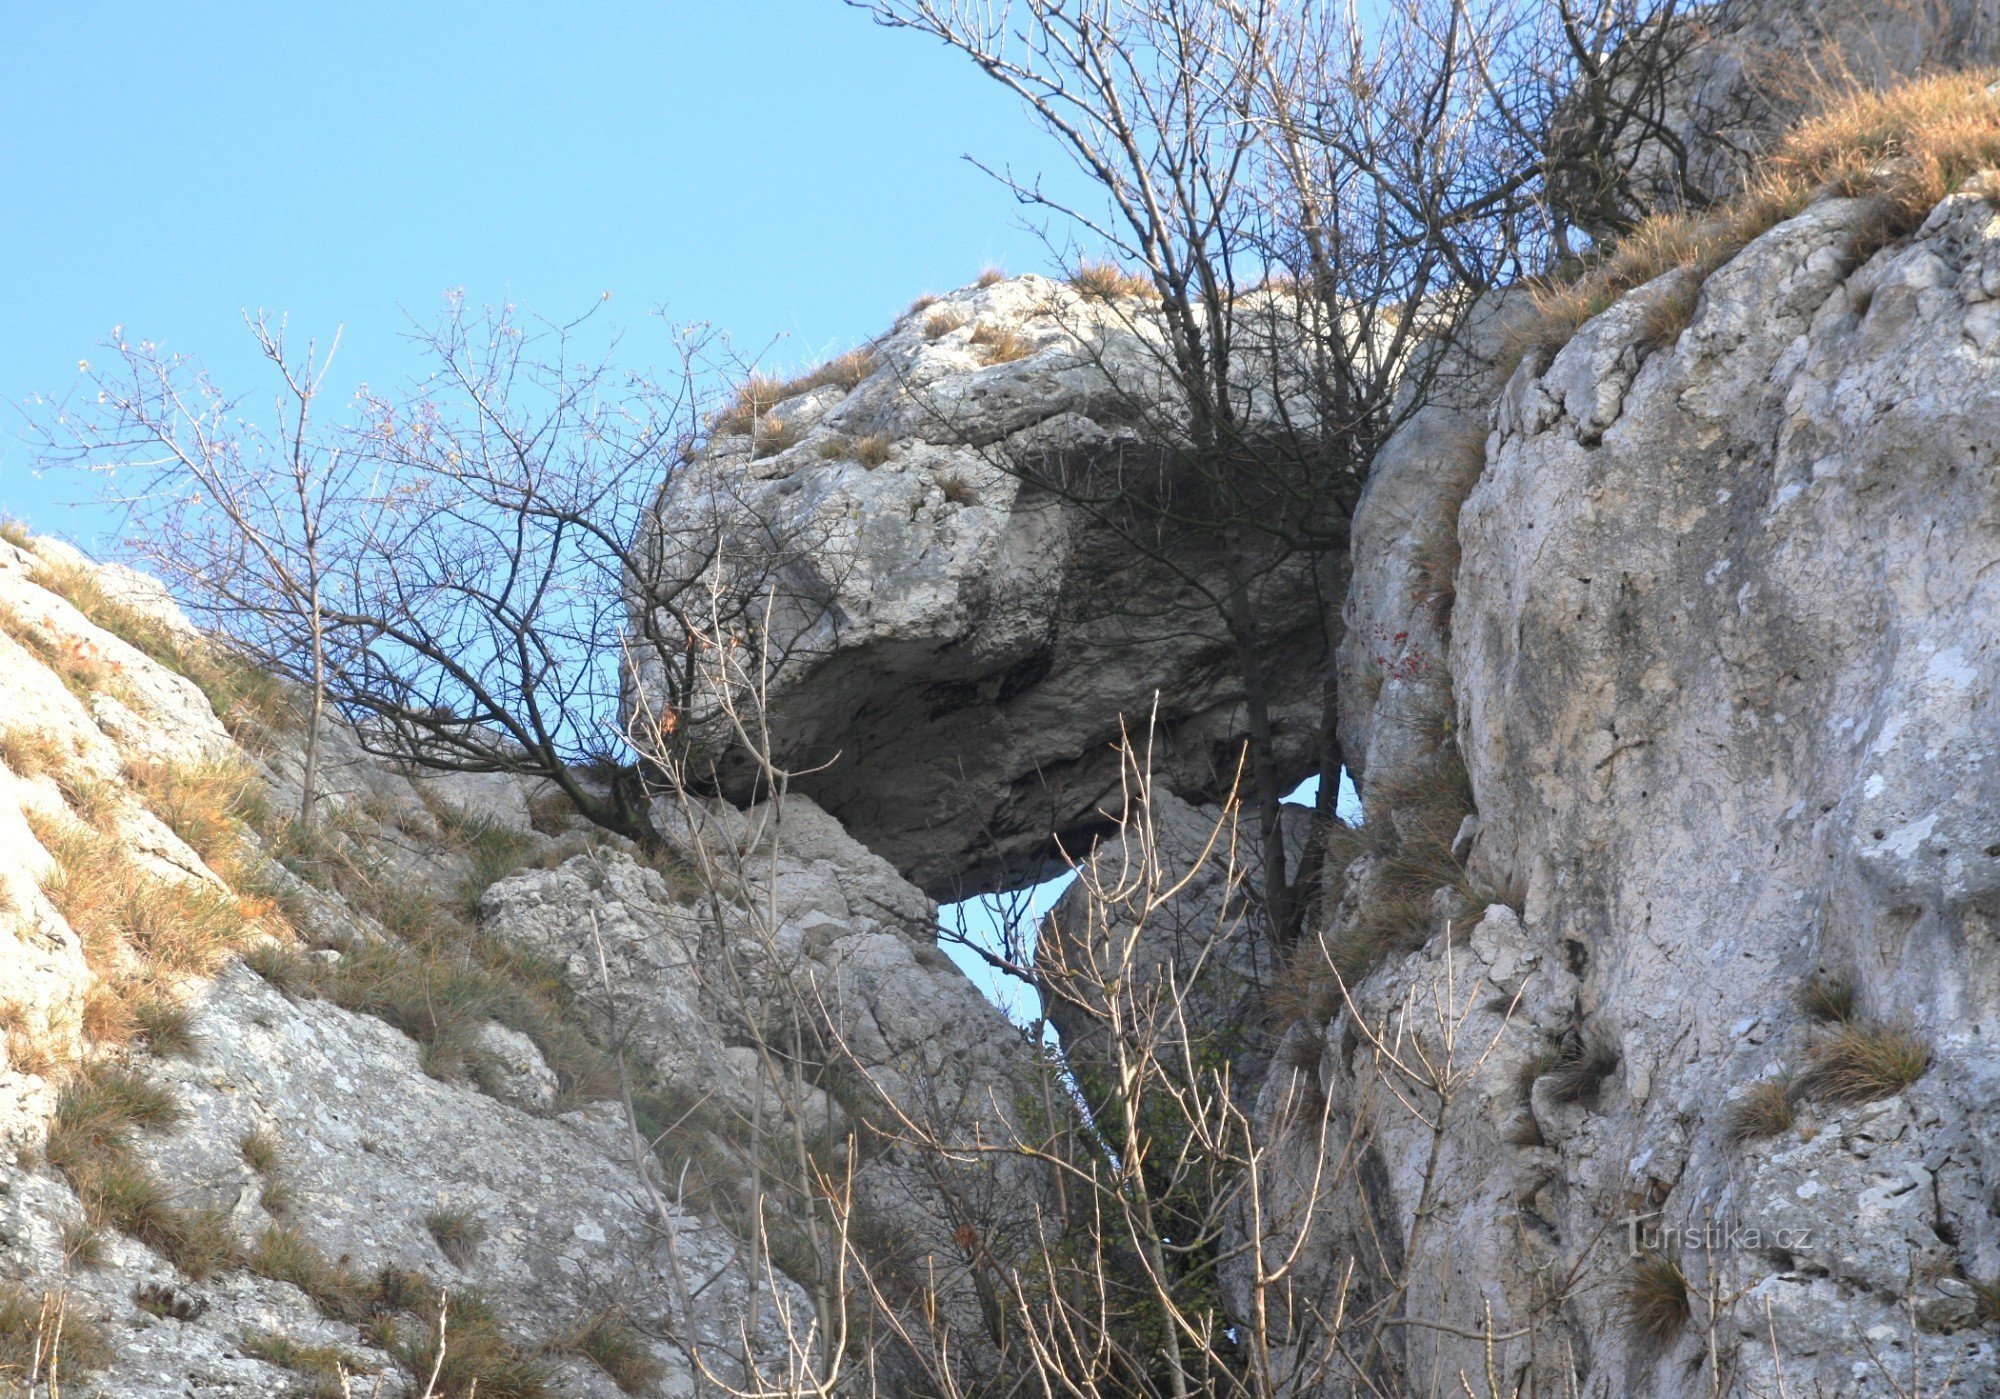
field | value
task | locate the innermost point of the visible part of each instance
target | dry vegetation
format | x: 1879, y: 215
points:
x: 325, y: 1368
x: 1906, y: 148
x: 609, y: 1341
x: 943, y: 322
x: 999, y: 344
x: 251, y: 703
x: 46, y: 1341
x: 458, y: 1233
x: 1410, y: 842
x: 1764, y: 1111
x: 760, y: 393
x: 1653, y: 1301
x: 1107, y: 281
x: 1859, y: 1063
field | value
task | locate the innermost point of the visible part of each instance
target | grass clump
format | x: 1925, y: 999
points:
x: 873, y: 450
x: 943, y: 322
x: 465, y: 1347
x: 1577, y: 1070
x: 1830, y: 1000
x: 610, y: 1341
x: 1107, y: 281
x: 437, y: 977
x: 998, y: 344
x: 957, y: 488
x: 1860, y: 1063
x: 89, y: 1142
x: 81, y: 668
x: 1765, y: 1111
x: 16, y: 532
x: 1906, y: 147
x: 1653, y: 1301
x: 326, y: 1367
x: 283, y: 1254
x: 252, y: 703
x: 44, y: 1341
x: 458, y: 1233
x: 1410, y: 836
x: 992, y: 277
x: 32, y: 753
x: 759, y: 393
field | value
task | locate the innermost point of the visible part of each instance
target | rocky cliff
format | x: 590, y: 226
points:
x: 1721, y: 666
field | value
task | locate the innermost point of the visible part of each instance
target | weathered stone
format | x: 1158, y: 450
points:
x: 1725, y: 669
x: 953, y: 649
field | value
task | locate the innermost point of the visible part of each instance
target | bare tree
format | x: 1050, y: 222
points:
x: 241, y: 521
x: 456, y: 572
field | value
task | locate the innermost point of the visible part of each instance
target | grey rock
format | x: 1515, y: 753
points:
x: 952, y: 651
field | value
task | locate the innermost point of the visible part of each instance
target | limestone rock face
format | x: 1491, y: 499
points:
x: 712, y: 1006
x: 1725, y: 653
x: 952, y: 649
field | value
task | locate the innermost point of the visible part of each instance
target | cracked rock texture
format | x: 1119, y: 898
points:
x: 953, y: 649
x: 1724, y: 653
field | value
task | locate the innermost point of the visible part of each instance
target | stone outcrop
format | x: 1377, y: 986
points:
x: 953, y: 648
x: 1724, y: 659
x: 817, y: 1008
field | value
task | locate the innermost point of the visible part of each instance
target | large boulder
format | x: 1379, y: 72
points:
x: 953, y: 650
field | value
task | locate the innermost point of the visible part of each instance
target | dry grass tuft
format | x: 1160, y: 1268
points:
x: 873, y: 450
x: 1574, y: 1069
x: 458, y: 1233
x: 1107, y: 281
x: 326, y: 1368
x: 89, y: 1143
x: 773, y: 435
x: 251, y: 703
x: 16, y: 532
x: 211, y: 803
x: 1906, y: 147
x: 80, y: 667
x: 999, y: 344
x: 1410, y: 834
x: 471, y: 1355
x: 1830, y: 1000
x: 283, y: 1254
x: 609, y: 1341
x: 943, y: 322
x: 45, y: 1342
x: 992, y: 277
x: 33, y: 753
x: 760, y: 393
x: 921, y: 304
x: 957, y: 488
x: 1653, y: 1301
x: 1764, y: 1111
x: 1860, y: 1063
x: 437, y: 977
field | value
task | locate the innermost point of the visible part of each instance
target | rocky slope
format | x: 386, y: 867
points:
x: 256, y: 1124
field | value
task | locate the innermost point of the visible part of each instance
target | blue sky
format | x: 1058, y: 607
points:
x: 777, y: 167
x: 781, y: 168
